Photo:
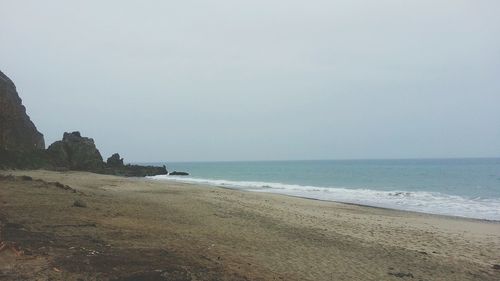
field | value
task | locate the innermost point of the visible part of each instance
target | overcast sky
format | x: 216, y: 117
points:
x: 260, y: 80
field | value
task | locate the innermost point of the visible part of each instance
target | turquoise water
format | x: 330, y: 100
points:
x: 460, y: 187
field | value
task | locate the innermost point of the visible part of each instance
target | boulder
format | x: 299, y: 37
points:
x: 76, y: 153
x: 115, y: 161
x: 17, y: 131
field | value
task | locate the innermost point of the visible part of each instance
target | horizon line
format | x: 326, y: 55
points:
x: 305, y: 160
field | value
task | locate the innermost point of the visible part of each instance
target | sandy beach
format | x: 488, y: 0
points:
x: 139, y: 229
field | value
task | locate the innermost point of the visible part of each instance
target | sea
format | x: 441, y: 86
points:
x: 456, y: 187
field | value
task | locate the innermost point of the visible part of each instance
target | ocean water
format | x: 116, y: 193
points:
x: 458, y: 187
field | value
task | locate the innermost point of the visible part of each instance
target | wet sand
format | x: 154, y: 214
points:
x: 137, y: 229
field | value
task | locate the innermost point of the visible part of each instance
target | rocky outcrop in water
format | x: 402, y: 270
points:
x: 136, y: 170
x: 17, y: 131
x: 115, y: 166
x: 76, y: 153
x: 175, y: 173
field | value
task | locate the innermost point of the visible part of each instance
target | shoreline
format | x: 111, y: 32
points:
x: 177, y: 181
x: 135, y: 228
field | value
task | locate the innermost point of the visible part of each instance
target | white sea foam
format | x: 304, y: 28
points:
x: 419, y: 201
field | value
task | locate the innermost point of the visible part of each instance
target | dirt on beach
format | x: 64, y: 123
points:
x: 83, y: 226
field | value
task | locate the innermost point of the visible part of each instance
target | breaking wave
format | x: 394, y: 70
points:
x: 418, y: 201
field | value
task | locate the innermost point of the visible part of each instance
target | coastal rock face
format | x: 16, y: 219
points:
x: 17, y: 132
x: 76, y: 153
x: 23, y: 147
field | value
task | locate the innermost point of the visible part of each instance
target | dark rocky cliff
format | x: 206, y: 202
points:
x: 17, y: 132
x: 23, y: 147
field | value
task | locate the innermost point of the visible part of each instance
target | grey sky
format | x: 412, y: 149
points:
x: 248, y: 80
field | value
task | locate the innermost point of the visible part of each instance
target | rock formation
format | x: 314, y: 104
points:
x: 17, y: 132
x: 175, y: 173
x: 115, y: 166
x: 76, y: 153
x: 136, y: 170
x: 115, y: 161
x: 23, y: 147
